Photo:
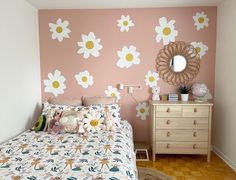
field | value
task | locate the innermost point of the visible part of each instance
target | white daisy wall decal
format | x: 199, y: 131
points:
x: 55, y: 83
x: 90, y: 45
x: 112, y: 92
x: 142, y: 111
x: 200, y: 48
x: 200, y: 20
x: 128, y: 56
x: 60, y: 30
x: 93, y: 122
x: 124, y: 23
x: 166, y: 31
x: 84, y: 79
x: 151, y: 79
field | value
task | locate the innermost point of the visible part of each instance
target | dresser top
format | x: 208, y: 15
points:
x: 181, y: 103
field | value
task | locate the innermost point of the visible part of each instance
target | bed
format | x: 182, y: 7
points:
x: 101, y: 155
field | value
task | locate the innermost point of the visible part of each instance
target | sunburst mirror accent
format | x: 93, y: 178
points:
x: 178, y: 63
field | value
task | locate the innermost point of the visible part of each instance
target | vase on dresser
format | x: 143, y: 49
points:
x: 180, y: 128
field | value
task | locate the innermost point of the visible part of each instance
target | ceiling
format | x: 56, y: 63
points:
x: 105, y: 4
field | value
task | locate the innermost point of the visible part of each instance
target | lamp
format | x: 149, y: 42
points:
x: 131, y: 87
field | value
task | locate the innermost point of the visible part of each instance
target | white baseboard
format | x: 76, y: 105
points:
x: 226, y: 159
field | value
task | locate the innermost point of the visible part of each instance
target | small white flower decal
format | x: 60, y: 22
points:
x: 84, y: 79
x: 90, y: 45
x: 59, y: 30
x: 151, y: 79
x: 128, y: 57
x: 124, y: 23
x: 200, y: 48
x: 93, y: 122
x: 55, y: 83
x: 200, y: 20
x: 142, y: 111
x: 166, y: 31
x: 112, y: 92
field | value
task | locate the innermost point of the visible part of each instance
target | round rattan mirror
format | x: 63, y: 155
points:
x: 178, y: 63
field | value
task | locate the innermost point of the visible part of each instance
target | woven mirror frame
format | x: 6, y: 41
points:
x: 165, y: 56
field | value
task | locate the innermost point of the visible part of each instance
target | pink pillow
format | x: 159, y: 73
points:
x: 87, y: 101
x: 64, y: 101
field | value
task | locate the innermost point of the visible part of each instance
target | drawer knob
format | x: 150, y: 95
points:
x: 195, y: 134
x: 195, y: 109
x: 168, y: 110
x: 194, y: 146
x: 168, y: 134
x: 168, y: 146
x: 195, y: 122
x: 168, y: 122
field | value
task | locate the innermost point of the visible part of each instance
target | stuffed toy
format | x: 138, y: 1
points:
x: 54, y: 125
x: 155, y: 93
x: 80, y: 128
x: 69, y: 120
x: 109, y: 122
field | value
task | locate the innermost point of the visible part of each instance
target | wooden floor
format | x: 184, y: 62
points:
x: 191, y: 167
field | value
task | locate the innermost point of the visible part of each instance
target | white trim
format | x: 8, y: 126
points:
x: 105, y: 4
x: 225, y: 158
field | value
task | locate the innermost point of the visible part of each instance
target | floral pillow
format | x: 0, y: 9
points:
x: 47, y: 107
x: 104, y: 109
x: 93, y: 122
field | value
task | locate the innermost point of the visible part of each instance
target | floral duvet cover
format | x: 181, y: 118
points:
x: 101, y: 155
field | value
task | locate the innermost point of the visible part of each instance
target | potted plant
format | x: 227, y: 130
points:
x: 184, y: 91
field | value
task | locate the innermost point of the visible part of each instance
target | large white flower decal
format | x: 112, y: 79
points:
x: 90, y: 45
x: 124, y: 23
x: 200, y: 48
x: 128, y: 57
x: 55, y: 83
x: 142, y: 111
x: 59, y: 30
x: 200, y: 20
x: 93, y: 122
x: 151, y: 79
x: 112, y: 92
x: 84, y: 79
x: 166, y: 31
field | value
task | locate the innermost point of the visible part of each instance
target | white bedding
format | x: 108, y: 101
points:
x: 101, y: 155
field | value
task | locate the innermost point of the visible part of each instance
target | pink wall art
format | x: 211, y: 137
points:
x: 89, y: 52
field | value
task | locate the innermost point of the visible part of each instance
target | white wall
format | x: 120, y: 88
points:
x: 20, y: 91
x: 225, y: 89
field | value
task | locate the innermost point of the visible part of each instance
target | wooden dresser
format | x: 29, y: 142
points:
x: 180, y: 127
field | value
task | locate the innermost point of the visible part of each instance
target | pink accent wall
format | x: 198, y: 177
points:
x: 63, y: 55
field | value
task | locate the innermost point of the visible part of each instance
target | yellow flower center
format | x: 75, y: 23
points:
x: 89, y: 45
x: 197, y: 49
x: 129, y: 57
x: 55, y: 84
x: 142, y: 110
x: 201, y: 19
x: 166, y: 31
x: 59, y: 29
x: 94, y: 122
x: 125, y: 23
x: 151, y: 79
x: 113, y: 95
x: 84, y: 79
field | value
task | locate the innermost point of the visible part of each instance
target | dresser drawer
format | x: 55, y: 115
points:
x: 182, y: 123
x: 168, y: 111
x: 181, y: 135
x: 195, y: 111
x: 181, y: 147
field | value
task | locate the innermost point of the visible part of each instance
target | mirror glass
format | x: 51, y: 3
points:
x: 178, y: 63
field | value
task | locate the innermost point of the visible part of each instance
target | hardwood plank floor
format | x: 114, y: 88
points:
x: 191, y: 167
